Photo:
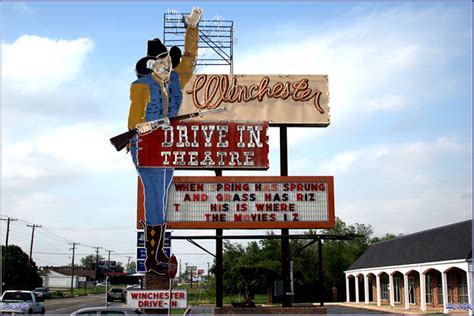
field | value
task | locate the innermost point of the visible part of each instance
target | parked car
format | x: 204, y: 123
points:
x: 107, y: 310
x: 102, y: 284
x: 23, y: 302
x: 43, y: 292
x: 116, y: 294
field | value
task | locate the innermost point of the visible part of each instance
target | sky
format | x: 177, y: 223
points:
x: 398, y: 146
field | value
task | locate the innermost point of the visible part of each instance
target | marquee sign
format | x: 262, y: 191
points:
x: 249, y: 202
x: 297, y: 100
x: 216, y: 145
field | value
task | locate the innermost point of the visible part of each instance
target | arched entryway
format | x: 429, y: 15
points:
x: 457, y: 286
x: 372, y: 287
x: 434, y: 291
x: 412, y: 291
x: 384, y: 288
x: 351, y: 296
x: 398, y: 288
x: 360, y: 287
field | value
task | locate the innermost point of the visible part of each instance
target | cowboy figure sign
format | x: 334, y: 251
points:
x: 155, y: 95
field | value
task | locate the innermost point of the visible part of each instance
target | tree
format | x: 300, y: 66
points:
x: 254, y: 268
x: 250, y: 270
x: 119, y: 267
x: 338, y: 255
x: 21, y: 274
x: 88, y: 262
x: 385, y: 237
x: 132, y: 267
x: 305, y: 270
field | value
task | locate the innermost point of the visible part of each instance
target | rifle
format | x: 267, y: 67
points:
x: 121, y: 141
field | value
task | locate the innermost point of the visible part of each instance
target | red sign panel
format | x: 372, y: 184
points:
x: 172, y: 267
x: 202, y: 145
x: 249, y: 203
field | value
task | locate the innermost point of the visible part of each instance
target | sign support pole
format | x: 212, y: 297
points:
x: 285, y: 240
x: 169, y: 299
x: 219, y: 262
x: 321, y: 272
x: 219, y: 270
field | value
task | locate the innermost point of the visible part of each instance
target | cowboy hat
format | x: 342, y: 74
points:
x: 155, y: 48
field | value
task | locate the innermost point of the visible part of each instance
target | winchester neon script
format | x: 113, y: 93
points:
x: 209, y: 92
x: 278, y: 99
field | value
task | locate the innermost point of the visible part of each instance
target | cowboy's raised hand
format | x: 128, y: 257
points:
x: 193, y: 19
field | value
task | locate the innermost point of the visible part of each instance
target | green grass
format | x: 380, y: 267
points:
x: 205, y: 296
x: 196, y: 296
x: 77, y: 292
x: 258, y: 299
x: 178, y: 311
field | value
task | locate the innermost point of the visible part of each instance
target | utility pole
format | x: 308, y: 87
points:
x: 8, y: 219
x: 32, y: 238
x: 128, y: 262
x: 108, y: 262
x: 186, y: 270
x: 96, y: 262
x: 74, y: 244
x: 4, y: 261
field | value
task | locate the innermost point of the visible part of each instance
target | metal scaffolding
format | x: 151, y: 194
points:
x: 216, y: 39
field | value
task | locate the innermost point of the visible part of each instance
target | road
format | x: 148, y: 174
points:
x: 332, y: 309
x: 69, y: 305
x: 338, y: 309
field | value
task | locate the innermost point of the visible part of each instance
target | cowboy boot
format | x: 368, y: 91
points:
x: 152, y: 240
x: 161, y: 255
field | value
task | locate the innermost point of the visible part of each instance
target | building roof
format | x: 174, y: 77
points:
x: 449, y: 242
x: 66, y: 271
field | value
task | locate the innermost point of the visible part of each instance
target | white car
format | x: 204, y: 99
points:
x: 102, y: 284
x: 107, y: 310
x: 24, y: 302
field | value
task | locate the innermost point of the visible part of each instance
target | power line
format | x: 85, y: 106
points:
x: 60, y: 253
x: 22, y: 221
x: 94, y: 229
x: 19, y: 232
x: 44, y: 262
x: 51, y: 242
x: 58, y: 236
x: 53, y: 237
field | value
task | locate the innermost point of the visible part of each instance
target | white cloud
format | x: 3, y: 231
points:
x: 74, y: 150
x: 403, y: 187
x: 34, y: 64
x: 384, y: 61
x: 398, y: 161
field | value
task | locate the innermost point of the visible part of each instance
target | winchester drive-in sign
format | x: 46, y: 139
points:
x: 194, y: 145
x: 157, y: 299
x: 249, y: 202
x: 293, y: 100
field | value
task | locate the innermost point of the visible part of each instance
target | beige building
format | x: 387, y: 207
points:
x: 428, y: 269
